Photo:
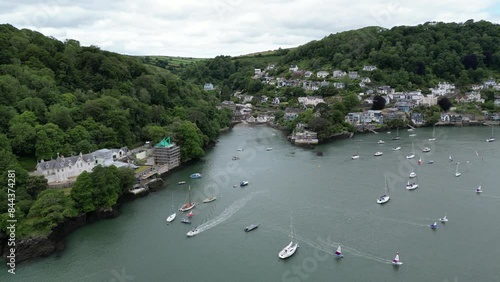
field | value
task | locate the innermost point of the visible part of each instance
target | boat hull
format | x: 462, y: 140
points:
x: 251, y: 227
x: 288, y: 251
x: 192, y: 233
x: 187, y: 207
x: 208, y: 200
x: 383, y: 200
x: 171, y: 217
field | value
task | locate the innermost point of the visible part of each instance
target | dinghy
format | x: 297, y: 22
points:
x: 434, y: 225
x: 396, y: 261
x: 338, y: 252
x: 443, y: 219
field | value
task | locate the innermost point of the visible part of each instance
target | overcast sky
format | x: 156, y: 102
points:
x: 207, y: 28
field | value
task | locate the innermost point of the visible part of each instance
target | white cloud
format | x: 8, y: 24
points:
x: 230, y: 27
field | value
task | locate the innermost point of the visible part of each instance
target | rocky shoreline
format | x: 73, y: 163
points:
x: 31, y: 248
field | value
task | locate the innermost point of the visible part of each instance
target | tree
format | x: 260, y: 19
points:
x: 51, y: 208
x: 444, y: 103
x: 378, y: 103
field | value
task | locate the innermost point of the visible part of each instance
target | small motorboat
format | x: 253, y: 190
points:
x: 413, y: 174
x: 195, y: 175
x: 397, y: 148
x: 269, y: 149
x: 434, y: 225
x: 478, y: 189
x: 381, y: 142
x: 426, y: 150
x: 355, y: 157
x: 443, y: 219
x: 430, y: 162
x: 234, y: 186
x: 243, y: 183
x: 190, y: 214
x: 251, y: 227
x: 209, y: 199
x: 396, y: 261
x: 186, y: 220
x: 181, y: 182
x: 193, y: 232
x: 240, y: 150
x: 412, y: 135
x: 378, y: 154
x: 235, y: 158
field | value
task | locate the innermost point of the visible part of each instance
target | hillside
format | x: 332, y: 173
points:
x: 407, y: 57
x: 60, y: 98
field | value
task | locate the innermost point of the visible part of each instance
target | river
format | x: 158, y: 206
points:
x: 332, y: 200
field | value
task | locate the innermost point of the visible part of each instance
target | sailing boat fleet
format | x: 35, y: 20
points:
x: 291, y: 248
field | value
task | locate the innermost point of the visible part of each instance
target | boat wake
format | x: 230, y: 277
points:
x: 329, y: 247
x: 227, y: 213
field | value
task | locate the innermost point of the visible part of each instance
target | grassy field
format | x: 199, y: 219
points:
x: 169, y: 62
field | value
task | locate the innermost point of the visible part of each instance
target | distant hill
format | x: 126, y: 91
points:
x: 407, y: 57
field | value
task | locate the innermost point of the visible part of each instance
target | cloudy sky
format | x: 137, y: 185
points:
x: 206, y: 28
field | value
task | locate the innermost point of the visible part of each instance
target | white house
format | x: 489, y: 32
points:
x: 276, y: 101
x: 369, y: 68
x: 339, y: 73
x: 366, y: 80
x: 208, y: 86
x: 310, y: 100
x: 64, y: 169
x: 353, y: 74
x: 322, y: 74
x: 443, y: 88
x: 293, y: 68
x: 308, y: 74
x: 429, y: 100
x: 257, y: 71
x: 339, y: 85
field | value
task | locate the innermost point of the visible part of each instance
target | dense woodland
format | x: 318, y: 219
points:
x: 61, y: 98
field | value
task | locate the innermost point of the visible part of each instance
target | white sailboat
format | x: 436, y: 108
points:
x: 492, y: 138
x: 355, y: 156
x: 457, y: 174
x: 412, y: 154
x: 433, y: 134
x: 381, y: 142
x: 384, y: 198
x: 479, y: 190
x: 338, y: 252
x: 171, y: 217
x: 443, y: 219
x: 412, y: 186
x: 189, y: 205
x: 290, y: 249
x: 396, y: 260
x: 396, y: 148
x: 397, y: 135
